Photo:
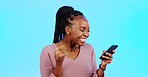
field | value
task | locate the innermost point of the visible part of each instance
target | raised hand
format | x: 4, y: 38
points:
x: 108, y: 59
x: 59, y: 56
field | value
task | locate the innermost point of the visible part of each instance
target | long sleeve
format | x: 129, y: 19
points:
x: 46, y: 67
x: 94, y: 63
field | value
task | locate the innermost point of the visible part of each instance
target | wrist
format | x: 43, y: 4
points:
x: 102, y: 67
x: 57, y: 70
x: 59, y: 63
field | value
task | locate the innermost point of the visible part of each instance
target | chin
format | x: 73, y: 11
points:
x: 81, y: 44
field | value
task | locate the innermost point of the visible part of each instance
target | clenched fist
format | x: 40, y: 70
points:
x: 59, y: 56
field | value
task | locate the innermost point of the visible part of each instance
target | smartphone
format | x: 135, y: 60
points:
x: 113, y: 47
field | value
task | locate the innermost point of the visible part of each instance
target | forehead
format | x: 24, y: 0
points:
x: 81, y: 22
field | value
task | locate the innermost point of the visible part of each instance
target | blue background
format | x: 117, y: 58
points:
x: 26, y: 26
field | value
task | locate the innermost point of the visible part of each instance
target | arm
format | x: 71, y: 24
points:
x: 102, y: 66
x: 46, y: 67
x: 100, y: 71
x: 59, y: 57
x: 96, y: 72
x: 57, y: 70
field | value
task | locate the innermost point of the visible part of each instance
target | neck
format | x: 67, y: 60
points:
x: 69, y: 44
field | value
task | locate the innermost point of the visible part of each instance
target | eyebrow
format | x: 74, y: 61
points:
x: 84, y: 27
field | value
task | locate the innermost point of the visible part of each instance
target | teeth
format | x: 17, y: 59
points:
x: 83, y: 40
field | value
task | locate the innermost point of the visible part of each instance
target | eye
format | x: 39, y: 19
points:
x: 82, y: 30
x: 88, y: 30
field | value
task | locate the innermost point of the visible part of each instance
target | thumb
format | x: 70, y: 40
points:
x: 103, y: 52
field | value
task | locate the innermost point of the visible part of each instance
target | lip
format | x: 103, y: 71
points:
x: 83, y: 38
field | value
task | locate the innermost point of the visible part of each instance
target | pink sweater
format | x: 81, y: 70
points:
x: 83, y: 66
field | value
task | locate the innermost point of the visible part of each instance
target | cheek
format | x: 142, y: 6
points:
x: 76, y: 35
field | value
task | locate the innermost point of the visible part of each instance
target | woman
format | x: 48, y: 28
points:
x: 69, y: 55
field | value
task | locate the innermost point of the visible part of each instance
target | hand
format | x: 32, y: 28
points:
x: 108, y: 59
x: 59, y: 56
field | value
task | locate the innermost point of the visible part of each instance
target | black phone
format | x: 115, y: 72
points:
x: 113, y: 47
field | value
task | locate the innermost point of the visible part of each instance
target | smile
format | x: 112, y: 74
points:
x: 83, y: 40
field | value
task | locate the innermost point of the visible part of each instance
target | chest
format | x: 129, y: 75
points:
x: 77, y: 67
x: 73, y: 55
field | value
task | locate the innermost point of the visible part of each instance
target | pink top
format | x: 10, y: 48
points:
x: 83, y: 66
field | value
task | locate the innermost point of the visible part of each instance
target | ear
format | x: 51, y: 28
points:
x: 68, y: 30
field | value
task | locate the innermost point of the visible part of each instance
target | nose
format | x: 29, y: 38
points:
x: 86, y: 34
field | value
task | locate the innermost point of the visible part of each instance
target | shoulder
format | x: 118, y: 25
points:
x: 49, y: 48
x: 87, y: 45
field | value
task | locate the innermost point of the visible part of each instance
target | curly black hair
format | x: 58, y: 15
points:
x: 63, y: 14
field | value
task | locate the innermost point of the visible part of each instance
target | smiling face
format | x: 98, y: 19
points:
x: 79, y: 30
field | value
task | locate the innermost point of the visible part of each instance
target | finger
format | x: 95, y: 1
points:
x: 62, y: 51
x: 103, y: 52
x: 108, y: 62
x: 109, y: 54
x: 56, y: 55
x: 60, y: 54
x: 113, y: 51
x: 106, y: 57
x: 55, y: 52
